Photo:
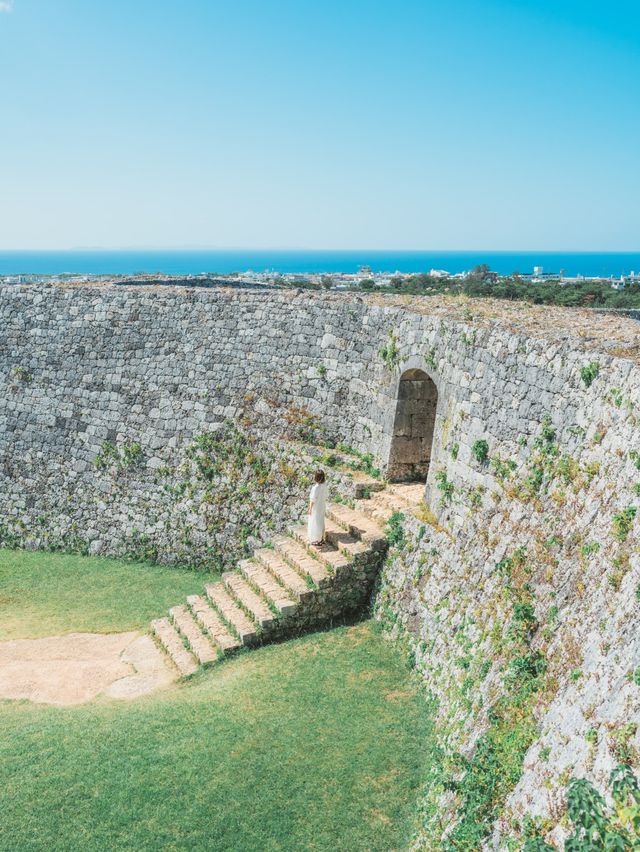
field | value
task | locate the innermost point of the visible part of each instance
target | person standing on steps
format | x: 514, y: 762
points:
x: 317, y: 507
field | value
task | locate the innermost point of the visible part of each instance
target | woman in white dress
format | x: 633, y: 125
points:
x: 317, y: 506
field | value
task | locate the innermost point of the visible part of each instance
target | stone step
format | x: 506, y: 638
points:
x: 387, y: 501
x: 346, y: 543
x: 411, y: 492
x: 357, y: 524
x: 169, y: 638
x: 378, y: 512
x: 339, y: 544
x: 200, y: 646
x: 335, y: 559
x: 282, y: 571
x: 250, y: 602
x: 213, y: 624
x: 266, y: 584
x: 391, y: 501
x: 362, y: 483
x: 231, y: 613
x: 299, y: 558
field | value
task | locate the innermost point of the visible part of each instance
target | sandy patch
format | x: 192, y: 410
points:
x: 76, y: 668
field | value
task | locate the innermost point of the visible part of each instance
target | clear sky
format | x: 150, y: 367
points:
x: 430, y: 124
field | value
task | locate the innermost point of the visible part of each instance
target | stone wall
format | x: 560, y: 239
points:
x: 525, y: 553
x: 524, y: 569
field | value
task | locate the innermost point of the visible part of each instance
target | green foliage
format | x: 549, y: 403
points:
x: 390, y: 353
x: 455, y: 449
x: 481, y: 283
x: 588, y: 549
x: 623, y: 522
x: 503, y: 468
x: 536, y: 844
x: 621, y: 742
x: 496, y: 765
x: 615, y: 396
x: 107, y: 455
x: 445, y: 487
x: 475, y: 497
x: 364, y: 462
x: 132, y: 454
x: 543, y: 464
x: 544, y: 441
x: 112, y: 457
x: 22, y: 374
x: 395, y: 530
x: 590, y: 373
x: 595, y: 826
x: 480, y: 450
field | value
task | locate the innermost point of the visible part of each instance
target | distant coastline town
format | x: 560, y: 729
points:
x: 538, y: 286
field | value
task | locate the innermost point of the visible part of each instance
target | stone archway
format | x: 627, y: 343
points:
x: 413, y: 427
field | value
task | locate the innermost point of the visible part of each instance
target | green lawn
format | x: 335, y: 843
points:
x: 314, y: 744
x: 44, y: 594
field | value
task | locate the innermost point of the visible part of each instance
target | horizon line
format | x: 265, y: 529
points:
x: 318, y: 250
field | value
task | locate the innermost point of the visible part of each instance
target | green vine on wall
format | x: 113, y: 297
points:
x: 496, y: 765
x: 111, y: 456
x: 390, y: 353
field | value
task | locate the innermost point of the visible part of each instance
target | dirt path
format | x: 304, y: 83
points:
x: 75, y: 668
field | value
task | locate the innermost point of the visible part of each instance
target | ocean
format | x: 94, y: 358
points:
x: 193, y: 262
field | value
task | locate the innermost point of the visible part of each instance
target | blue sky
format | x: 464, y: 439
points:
x: 439, y: 124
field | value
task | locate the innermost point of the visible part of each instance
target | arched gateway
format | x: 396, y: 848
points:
x: 413, y: 427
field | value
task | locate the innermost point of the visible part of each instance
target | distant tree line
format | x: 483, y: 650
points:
x: 482, y: 282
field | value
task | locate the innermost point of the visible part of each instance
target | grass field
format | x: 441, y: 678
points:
x: 314, y: 744
x: 45, y: 594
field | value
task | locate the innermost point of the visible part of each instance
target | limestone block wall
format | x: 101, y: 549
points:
x: 531, y: 495
x: 528, y: 558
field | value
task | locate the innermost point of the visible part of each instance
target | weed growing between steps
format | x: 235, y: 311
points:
x: 316, y: 743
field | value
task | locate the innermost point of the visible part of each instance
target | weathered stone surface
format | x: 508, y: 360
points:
x: 84, y: 366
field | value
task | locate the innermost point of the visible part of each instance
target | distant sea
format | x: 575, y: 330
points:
x: 99, y: 262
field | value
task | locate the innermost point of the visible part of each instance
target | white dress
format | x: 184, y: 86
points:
x: 318, y: 498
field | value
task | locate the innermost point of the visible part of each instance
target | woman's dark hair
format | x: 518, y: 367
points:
x: 320, y: 477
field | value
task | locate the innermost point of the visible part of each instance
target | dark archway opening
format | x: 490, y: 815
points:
x: 413, y: 427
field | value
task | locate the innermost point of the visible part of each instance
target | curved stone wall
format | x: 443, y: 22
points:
x: 532, y: 495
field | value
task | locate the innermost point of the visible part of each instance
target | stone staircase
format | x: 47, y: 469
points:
x: 288, y: 586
